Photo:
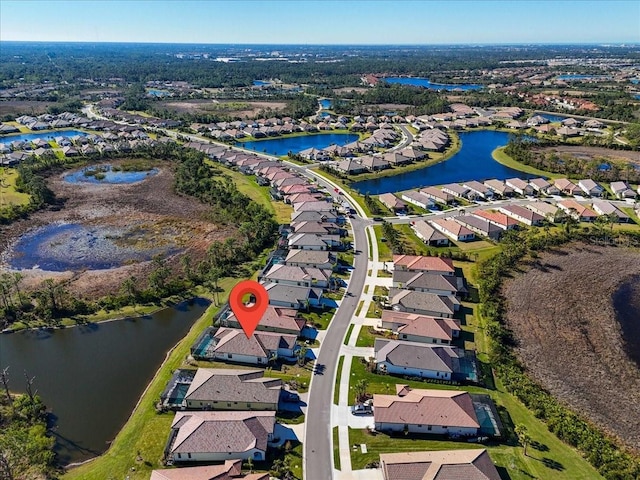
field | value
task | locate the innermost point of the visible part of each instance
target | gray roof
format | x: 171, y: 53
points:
x: 230, y: 385
x: 422, y: 280
x: 292, y: 294
x: 424, y: 356
x: 419, y: 301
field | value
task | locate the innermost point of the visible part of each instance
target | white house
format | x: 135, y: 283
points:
x: 418, y: 199
x: 522, y: 214
x: 411, y: 327
x: 416, y: 359
x: 453, y: 229
x: 428, y: 234
x: 590, y: 188
x: 622, y: 190
x: 519, y: 186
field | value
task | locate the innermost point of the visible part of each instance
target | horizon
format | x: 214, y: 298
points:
x: 357, y: 23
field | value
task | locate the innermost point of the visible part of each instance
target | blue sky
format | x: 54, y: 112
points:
x: 322, y: 22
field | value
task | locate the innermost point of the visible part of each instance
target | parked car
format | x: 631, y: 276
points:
x: 361, y: 409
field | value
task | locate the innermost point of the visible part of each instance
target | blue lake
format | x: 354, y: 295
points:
x: 637, y: 97
x: 580, y: 77
x: 60, y: 247
x: 261, y: 83
x: 552, y: 117
x: 110, y: 176
x: 282, y: 146
x: 157, y: 93
x: 45, y: 135
x: 325, y: 103
x: 424, y: 82
x: 472, y: 162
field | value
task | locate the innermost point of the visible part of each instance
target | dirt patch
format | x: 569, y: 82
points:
x: 149, y: 213
x: 16, y: 108
x: 592, y: 153
x: 563, y: 317
x: 238, y: 108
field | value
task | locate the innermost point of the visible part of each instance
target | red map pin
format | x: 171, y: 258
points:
x: 249, y: 315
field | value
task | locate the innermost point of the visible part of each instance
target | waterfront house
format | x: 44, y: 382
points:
x: 229, y: 470
x: 453, y: 229
x: 418, y: 199
x: 231, y: 389
x: 231, y: 345
x: 220, y: 436
x: 499, y: 188
x: 438, y: 195
x: 458, y: 191
x: 392, y: 202
x: 428, y: 234
x: 479, y: 226
x: 417, y: 263
x: 373, y: 163
x: 567, y: 187
x: 274, y: 319
x: 479, y: 189
x: 541, y: 186
x: 438, y: 465
x: 444, y: 412
x: 622, y: 190
x: 415, y: 359
x: 411, y: 327
x: 519, y: 186
x: 591, y: 188
x: 522, y: 214
x: 351, y: 167
x: 423, y: 303
x: 396, y: 158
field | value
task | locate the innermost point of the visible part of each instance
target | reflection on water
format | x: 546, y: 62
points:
x: 626, y: 301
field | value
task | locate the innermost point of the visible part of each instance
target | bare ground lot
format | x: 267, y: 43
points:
x: 15, y: 108
x: 591, y: 153
x: 150, y: 207
x: 561, y: 312
x: 234, y: 108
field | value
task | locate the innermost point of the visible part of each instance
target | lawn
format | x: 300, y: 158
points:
x: 367, y: 337
x: 336, y: 449
x: 8, y: 193
x: 348, y: 335
x: 318, y: 317
x: 336, y: 387
x: 384, y: 252
x: 501, y: 157
x: 374, y: 311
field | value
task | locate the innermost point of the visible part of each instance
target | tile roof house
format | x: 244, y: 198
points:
x: 418, y: 199
x: 602, y: 207
x: 392, y: 202
x: 577, y: 210
x: 274, y: 319
x: 622, y: 190
x: 231, y: 389
x: 499, y: 219
x: 459, y: 191
x: 446, y: 412
x: 428, y: 234
x: 423, y: 303
x: 297, y: 276
x: 417, y: 263
x: 473, y: 464
x: 519, y: 186
x: 428, y: 282
x: 567, y: 187
x: 417, y: 359
x: 229, y: 470
x: 311, y: 258
x: 540, y: 185
x: 300, y: 298
x: 453, y: 229
x: 420, y: 328
x: 232, y: 345
x: 590, y: 188
x: 438, y: 195
x: 218, y: 436
x: 480, y: 189
x: 547, y: 210
x: 479, y: 226
x: 314, y: 241
x: 499, y: 187
x: 522, y: 214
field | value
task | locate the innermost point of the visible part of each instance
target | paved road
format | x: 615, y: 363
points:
x: 318, y: 463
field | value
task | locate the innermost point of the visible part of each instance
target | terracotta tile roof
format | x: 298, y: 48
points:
x: 450, y: 408
x: 260, y: 344
x: 276, y: 318
x: 422, y: 325
x: 230, y: 470
x: 498, y: 218
x: 420, y: 263
x: 230, y: 385
x: 472, y: 464
x: 224, y: 432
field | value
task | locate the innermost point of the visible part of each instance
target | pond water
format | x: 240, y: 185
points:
x: 472, y: 162
x: 424, y: 82
x: 325, y: 103
x: 154, y: 92
x: 261, y: 83
x: 552, y: 117
x: 282, y: 146
x: 626, y: 301
x: 108, y: 175
x: 50, y: 135
x: 61, y: 247
x: 91, y: 376
x: 580, y: 77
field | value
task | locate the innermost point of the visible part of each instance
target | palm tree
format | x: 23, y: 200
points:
x: 360, y: 389
x: 523, y: 436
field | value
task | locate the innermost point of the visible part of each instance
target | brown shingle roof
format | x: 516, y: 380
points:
x: 230, y: 385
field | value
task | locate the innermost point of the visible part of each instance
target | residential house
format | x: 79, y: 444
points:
x: 313, y: 241
x: 300, y: 298
x: 567, y: 187
x: 411, y: 327
x: 521, y: 187
x: 330, y: 216
x: 220, y: 436
x: 233, y: 346
x: 438, y: 195
x: 577, y: 210
x: 317, y: 206
x: 479, y: 226
x: 522, y: 214
x: 297, y: 276
x: 229, y: 470
x: 499, y: 188
x: 591, y: 188
x: 547, y: 210
x: 429, y: 282
x: 311, y: 258
x: 417, y: 263
x: 418, y: 199
x: 499, y: 219
x: 479, y: 189
x: 452, y: 229
x: 622, y: 190
x: 231, y: 389
x: 428, y: 234
x: 444, y: 412
x: 602, y: 207
x: 459, y: 191
x: 415, y: 359
x: 423, y: 303
x: 319, y: 228
x: 396, y: 158
x: 373, y: 163
x: 274, y: 319
x: 392, y: 202
x: 541, y: 186
x: 438, y: 465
